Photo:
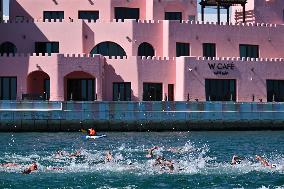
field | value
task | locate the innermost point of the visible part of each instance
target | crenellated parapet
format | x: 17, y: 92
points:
x: 119, y: 21
x: 41, y: 21
x: 52, y: 55
x: 244, y: 59
x: 239, y: 59
x: 138, y: 58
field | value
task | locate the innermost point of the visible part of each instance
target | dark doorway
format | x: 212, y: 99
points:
x: 81, y: 89
x: 122, y: 91
x: 275, y: 90
x: 220, y: 89
x: 152, y: 91
x: 8, y: 88
x: 171, y: 92
x: 38, y: 86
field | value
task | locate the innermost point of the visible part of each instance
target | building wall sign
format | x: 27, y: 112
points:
x: 221, y: 68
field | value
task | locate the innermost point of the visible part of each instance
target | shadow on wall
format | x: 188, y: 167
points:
x: 17, y: 11
x: 23, y: 35
x: 110, y: 78
x: 88, y: 38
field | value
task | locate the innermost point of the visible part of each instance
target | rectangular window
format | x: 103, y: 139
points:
x: 88, y: 15
x: 51, y: 15
x: 152, y: 91
x: 173, y: 16
x: 182, y: 49
x: 275, y: 90
x: 47, y: 47
x: 81, y: 89
x: 126, y: 13
x: 209, y: 50
x: 8, y: 88
x: 249, y: 51
x: 220, y: 89
x: 171, y: 92
x: 121, y: 91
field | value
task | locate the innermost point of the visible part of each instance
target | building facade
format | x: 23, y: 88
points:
x: 1, y: 10
x: 139, y: 50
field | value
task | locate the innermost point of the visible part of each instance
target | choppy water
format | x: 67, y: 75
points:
x: 201, y: 160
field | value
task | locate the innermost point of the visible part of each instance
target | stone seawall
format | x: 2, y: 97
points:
x: 140, y: 116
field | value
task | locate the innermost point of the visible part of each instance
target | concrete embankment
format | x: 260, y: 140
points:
x: 140, y: 116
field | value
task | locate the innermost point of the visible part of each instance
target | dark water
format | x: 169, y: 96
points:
x: 201, y: 160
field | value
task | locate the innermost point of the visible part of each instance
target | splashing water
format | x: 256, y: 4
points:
x: 200, y: 159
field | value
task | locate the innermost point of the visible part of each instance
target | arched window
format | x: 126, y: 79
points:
x: 108, y: 49
x: 8, y: 48
x: 146, y: 49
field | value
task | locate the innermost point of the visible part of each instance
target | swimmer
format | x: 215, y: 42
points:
x: 264, y: 162
x: 9, y: 165
x: 164, y: 163
x: 31, y: 168
x: 158, y: 160
x: 235, y: 160
x: 169, y: 164
x: 75, y: 154
x: 150, y: 152
x: 108, y: 156
x: 60, y: 153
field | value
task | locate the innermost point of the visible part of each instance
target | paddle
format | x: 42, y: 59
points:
x: 83, y: 131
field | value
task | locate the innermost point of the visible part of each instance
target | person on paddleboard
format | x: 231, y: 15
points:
x: 91, y: 132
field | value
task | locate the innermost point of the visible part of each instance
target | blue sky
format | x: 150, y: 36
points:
x: 6, y: 8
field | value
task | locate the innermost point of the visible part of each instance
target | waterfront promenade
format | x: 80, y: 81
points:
x: 139, y: 116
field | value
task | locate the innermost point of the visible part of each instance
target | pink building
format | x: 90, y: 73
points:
x: 134, y: 50
x: 1, y: 10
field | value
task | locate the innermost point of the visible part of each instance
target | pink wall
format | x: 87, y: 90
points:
x: 264, y: 11
x: 149, y: 9
x: 141, y: 4
x: 227, y: 38
x: 188, y: 8
x: 117, y: 32
x: 35, y: 82
x: 270, y: 11
x: 56, y: 66
x: 188, y: 74
x: 141, y: 34
x: 69, y: 34
x: 137, y: 71
x: 81, y: 37
x: 251, y: 76
x: 34, y: 9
